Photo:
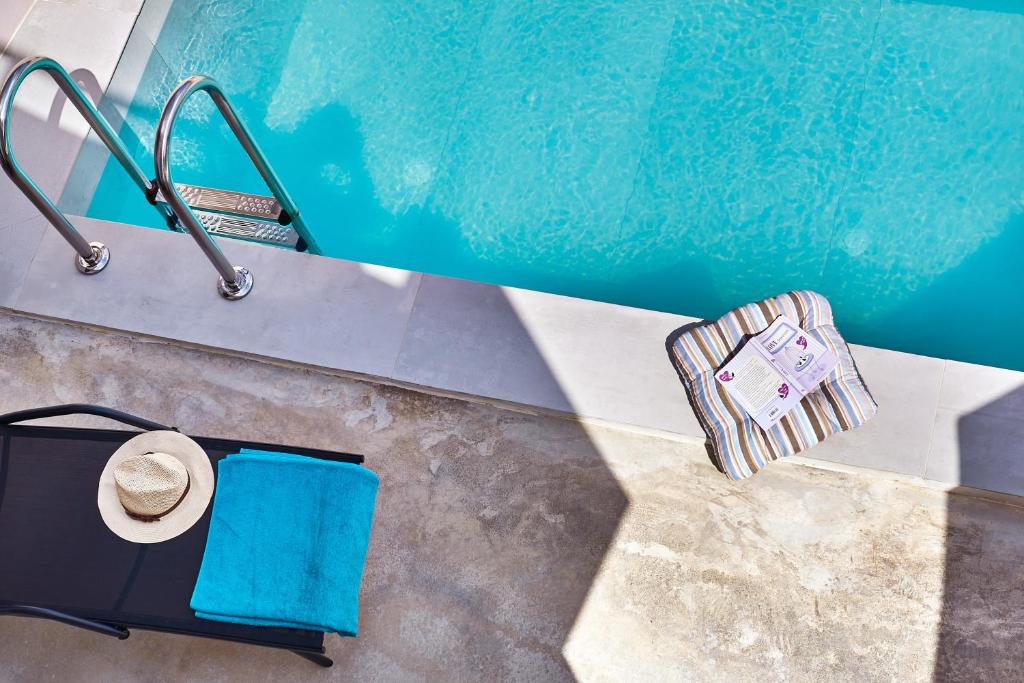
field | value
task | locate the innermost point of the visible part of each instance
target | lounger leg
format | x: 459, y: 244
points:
x: 321, y: 660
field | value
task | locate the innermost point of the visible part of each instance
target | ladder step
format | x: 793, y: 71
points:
x: 227, y: 201
x: 254, y: 230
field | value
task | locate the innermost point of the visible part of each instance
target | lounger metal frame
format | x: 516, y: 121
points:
x: 306, y: 644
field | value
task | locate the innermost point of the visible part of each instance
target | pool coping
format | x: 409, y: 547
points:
x: 600, y: 362
x: 943, y: 421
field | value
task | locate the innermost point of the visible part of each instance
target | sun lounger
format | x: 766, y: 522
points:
x: 59, y: 561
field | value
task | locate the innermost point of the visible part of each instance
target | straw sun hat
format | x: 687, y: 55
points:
x: 155, y: 487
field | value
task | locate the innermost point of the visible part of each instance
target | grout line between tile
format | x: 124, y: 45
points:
x: 935, y: 418
x: 405, y: 327
x: 24, y: 18
x: 19, y: 289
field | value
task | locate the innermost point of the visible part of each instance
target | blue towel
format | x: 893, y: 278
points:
x: 287, y: 542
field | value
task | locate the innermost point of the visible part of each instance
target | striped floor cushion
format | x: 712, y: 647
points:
x: 739, y: 446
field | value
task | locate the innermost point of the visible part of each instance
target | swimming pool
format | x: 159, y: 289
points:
x: 686, y: 157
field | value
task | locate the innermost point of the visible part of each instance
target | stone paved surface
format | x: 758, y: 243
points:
x: 515, y: 547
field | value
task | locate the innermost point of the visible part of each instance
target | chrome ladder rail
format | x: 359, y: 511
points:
x: 235, y: 281
x: 91, y: 257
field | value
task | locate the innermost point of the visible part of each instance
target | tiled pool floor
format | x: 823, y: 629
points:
x: 515, y: 547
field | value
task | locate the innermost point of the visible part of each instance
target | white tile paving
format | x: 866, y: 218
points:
x: 308, y: 309
x: 555, y: 352
x: 978, y: 438
x: 978, y: 449
x: 46, y: 130
x: 12, y: 13
x: 19, y: 242
x: 906, y: 388
x: 978, y: 388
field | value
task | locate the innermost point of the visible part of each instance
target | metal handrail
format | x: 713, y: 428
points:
x: 91, y: 257
x: 235, y: 281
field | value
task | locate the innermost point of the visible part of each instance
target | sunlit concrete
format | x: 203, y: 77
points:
x: 509, y: 546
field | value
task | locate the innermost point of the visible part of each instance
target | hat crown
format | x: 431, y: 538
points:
x: 150, y: 484
x: 173, y: 480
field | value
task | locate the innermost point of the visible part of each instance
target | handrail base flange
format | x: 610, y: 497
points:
x: 238, y: 289
x: 99, y: 261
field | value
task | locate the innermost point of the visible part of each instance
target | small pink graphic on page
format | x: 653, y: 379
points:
x: 783, y: 390
x: 726, y: 376
x: 802, y: 342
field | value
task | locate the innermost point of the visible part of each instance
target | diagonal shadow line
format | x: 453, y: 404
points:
x: 980, y: 627
x: 506, y: 502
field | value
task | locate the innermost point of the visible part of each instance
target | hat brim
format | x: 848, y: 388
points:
x: 180, y: 519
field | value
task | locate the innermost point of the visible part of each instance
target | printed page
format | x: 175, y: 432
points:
x: 801, y: 358
x: 774, y: 370
x: 754, y: 382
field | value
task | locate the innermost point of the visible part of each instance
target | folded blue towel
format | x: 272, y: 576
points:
x: 287, y: 542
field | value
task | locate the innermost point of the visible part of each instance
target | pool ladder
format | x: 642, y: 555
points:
x: 201, y: 211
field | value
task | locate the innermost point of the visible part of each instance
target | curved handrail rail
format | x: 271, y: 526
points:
x: 92, y: 257
x: 235, y: 282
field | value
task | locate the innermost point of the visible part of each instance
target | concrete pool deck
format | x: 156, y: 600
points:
x: 509, y: 546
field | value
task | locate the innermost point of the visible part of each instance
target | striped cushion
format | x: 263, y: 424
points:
x: 739, y: 446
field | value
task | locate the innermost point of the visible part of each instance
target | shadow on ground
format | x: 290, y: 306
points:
x: 490, y: 527
x: 982, y: 622
x: 489, y: 530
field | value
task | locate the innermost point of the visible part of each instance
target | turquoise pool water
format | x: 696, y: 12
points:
x: 685, y: 157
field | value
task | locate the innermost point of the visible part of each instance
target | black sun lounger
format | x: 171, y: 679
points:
x: 59, y: 561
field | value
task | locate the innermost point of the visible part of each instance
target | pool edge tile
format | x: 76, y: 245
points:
x: 590, y: 360
x: 21, y: 241
x: 978, y: 449
x: 906, y: 388
x: 587, y: 358
x: 303, y: 308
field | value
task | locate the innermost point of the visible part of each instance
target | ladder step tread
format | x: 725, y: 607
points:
x: 228, y: 201
x: 252, y: 229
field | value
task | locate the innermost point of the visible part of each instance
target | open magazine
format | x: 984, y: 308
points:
x: 774, y: 370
